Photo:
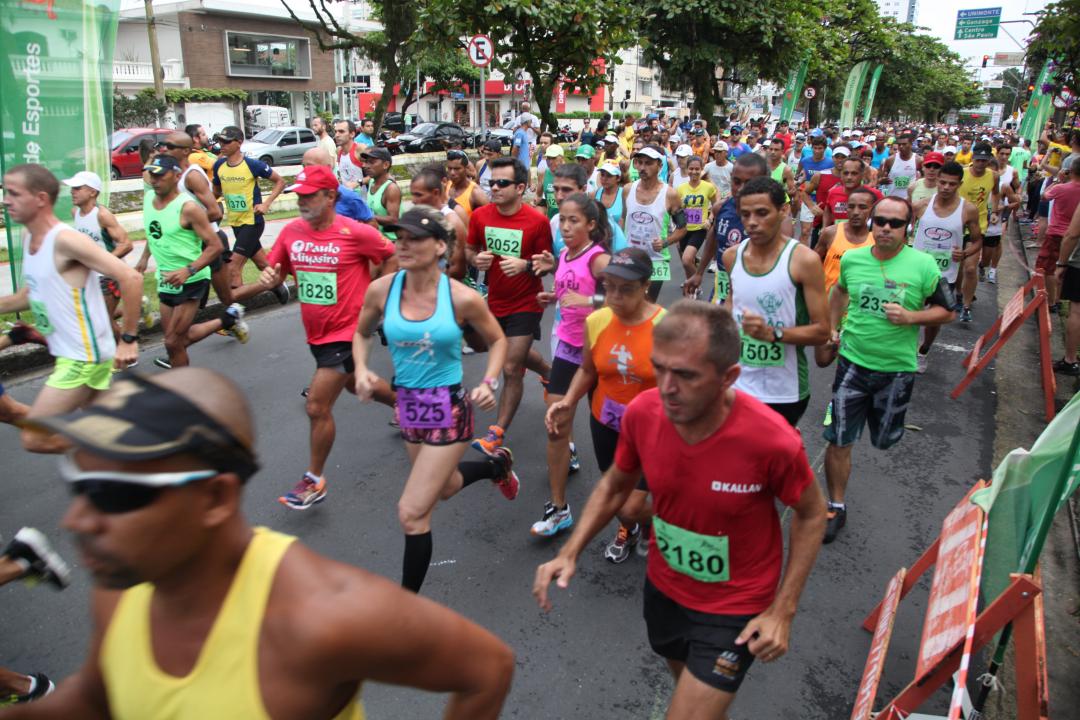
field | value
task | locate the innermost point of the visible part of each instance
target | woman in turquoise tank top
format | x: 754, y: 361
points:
x: 422, y: 312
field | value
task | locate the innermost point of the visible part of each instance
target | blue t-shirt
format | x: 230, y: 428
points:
x: 520, y: 146
x: 812, y: 166
x: 878, y: 157
x: 808, y: 152
x: 351, y: 205
x: 729, y: 229
x: 365, y: 139
x: 737, y: 150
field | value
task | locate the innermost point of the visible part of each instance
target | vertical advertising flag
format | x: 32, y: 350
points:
x: 871, y: 92
x: 852, y: 91
x: 1040, y: 106
x: 56, y: 82
x: 793, y: 90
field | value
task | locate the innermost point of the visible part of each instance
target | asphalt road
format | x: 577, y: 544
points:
x: 588, y: 658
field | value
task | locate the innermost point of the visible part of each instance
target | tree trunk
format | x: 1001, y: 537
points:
x: 705, y: 96
x: 542, y: 89
x: 390, y: 74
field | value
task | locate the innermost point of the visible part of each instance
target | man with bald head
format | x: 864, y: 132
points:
x: 348, y: 202
x: 198, y: 614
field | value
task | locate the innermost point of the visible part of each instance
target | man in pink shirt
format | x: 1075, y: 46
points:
x: 1066, y: 198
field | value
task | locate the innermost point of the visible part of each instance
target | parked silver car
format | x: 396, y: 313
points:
x: 280, y: 146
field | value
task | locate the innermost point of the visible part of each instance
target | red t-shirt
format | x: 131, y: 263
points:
x: 837, y: 200
x: 725, y: 485
x: 332, y: 273
x: 1066, y: 197
x: 523, y: 234
x: 786, y: 138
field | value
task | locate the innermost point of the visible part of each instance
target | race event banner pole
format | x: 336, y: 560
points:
x: 1040, y: 106
x: 852, y: 90
x: 57, y: 80
x: 871, y: 92
x: 793, y: 90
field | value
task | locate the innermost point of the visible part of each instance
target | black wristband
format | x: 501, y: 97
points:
x: 124, y: 337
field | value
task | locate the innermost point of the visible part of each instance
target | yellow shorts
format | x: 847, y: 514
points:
x: 70, y: 374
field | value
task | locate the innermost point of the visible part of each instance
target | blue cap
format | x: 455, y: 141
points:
x: 817, y: 132
x: 652, y: 116
x: 736, y: 128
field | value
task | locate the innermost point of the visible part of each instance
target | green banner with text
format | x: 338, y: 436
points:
x: 1040, y: 107
x: 793, y: 90
x: 871, y: 92
x: 852, y: 91
x: 56, y: 83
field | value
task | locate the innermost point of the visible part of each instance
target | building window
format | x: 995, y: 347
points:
x: 364, y: 82
x: 254, y: 55
x: 645, y: 87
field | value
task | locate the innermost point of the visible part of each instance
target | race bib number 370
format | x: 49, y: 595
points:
x: 702, y: 557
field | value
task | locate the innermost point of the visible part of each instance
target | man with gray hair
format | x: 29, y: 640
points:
x: 714, y: 598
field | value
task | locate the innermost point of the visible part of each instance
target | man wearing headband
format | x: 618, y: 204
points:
x: 197, y: 614
x: 62, y: 269
x: 462, y: 189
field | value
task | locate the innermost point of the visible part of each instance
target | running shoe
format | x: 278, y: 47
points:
x: 965, y: 315
x: 991, y: 276
x: 239, y: 330
x: 836, y: 519
x: 281, y: 292
x: 21, y: 334
x: 1067, y: 368
x: 553, y: 522
x: 508, y: 483
x: 575, y: 461
x: 31, y: 549
x: 982, y: 274
x: 492, y: 440
x: 310, y: 490
x: 304, y: 393
x: 147, y: 313
x: 163, y: 362
x: 921, y: 362
x: 40, y: 686
x: 619, y: 549
x: 828, y: 415
x: 712, y: 267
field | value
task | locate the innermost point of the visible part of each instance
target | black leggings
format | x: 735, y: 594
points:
x: 604, y: 441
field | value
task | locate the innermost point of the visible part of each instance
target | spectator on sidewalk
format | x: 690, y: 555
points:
x: 1068, y: 276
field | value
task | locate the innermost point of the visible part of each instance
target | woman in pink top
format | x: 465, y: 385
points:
x: 587, y: 234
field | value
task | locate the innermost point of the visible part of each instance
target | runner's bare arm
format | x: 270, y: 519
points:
x: 371, y: 312
x: 789, y: 183
x: 477, y: 198
x: 886, y: 167
x: 674, y: 205
x: 193, y: 217
x: 708, y: 252
x: 838, y: 303
x: 827, y: 218
x: 475, y: 312
x: 824, y: 241
x: 768, y: 634
x: 80, y: 248
x: 199, y: 186
x: 83, y: 694
x: 392, y: 202
x: 16, y: 302
x: 971, y: 221
x: 808, y: 272
x: 457, y: 265
x: 122, y: 244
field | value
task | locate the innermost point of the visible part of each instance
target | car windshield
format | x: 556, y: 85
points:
x: 424, y: 128
x: 268, y: 136
x: 119, y: 138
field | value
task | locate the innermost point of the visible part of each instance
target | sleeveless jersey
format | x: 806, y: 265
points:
x: 549, y: 194
x: 902, y: 173
x: 615, y: 211
x: 172, y: 245
x: 183, y: 184
x: 224, y: 682
x: 349, y: 167
x: 977, y: 191
x: 73, y: 320
x: 465, y: 198
x: 621, y: 354
x: 878, y: 158
x: 938, y: 236
x: 771, y: 372
x: 645, y: 223
x: 575, y: 275
x: 90, y: 225
x: 837, y: 248
x: 375, y: 202
x: 778, y: 175
x: 426, y: 353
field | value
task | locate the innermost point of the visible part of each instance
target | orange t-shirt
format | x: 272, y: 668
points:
x: 837, y: 248
x: 622, y: 355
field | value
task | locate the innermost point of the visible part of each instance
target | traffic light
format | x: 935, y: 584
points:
x: 986, y: 59
x: 1031, y: 88
x: 627, y: 94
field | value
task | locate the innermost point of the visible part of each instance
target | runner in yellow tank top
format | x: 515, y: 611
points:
x: 461, y: 188
x: 234, y: 622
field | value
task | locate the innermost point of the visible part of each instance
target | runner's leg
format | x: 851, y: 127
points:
x: 10, y: 571
x: 694, y: 700
x: 837, y: 470
x: 433, y: 474
x: 176, y: 329
x: 54, y: 401
x: 517, y: 352
x: 326, y: 386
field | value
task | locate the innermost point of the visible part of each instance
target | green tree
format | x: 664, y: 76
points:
x: 447, y: 68
x: 924, y: 80
x: 140, y: 110
x: 1057, y: 37
x: 552, y: 41
x: 1012, y: 88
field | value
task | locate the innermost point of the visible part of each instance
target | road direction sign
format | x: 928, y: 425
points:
x: 1008, y: 59
x: 809, y: 93
x: 977, y: 24
x: 481, y: 50
x: 995, y: 84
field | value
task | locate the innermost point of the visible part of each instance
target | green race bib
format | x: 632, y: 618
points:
x: 316, y: 288
x: 722, y: 287
x: 901, y: 182
x: 872, y: 299
x: 661, y: 270
x: 943, y: 258
x: 503, y: 241
x: 164, y: 287
x: 41, y: 318
x: 702, y: 557
x: 756, y: 353
x: 236, y: 203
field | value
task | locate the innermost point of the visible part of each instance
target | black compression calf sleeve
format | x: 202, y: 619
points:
x: 473, y: 470
x: 417, y: 559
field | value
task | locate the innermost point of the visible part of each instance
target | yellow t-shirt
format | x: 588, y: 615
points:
x: 240, y: 189
x: 978, y: 191
x: 696, y: 201
x: 1055, y: 158
x: 203, y: 159
x: 964, y: 158
x: 626, y: 139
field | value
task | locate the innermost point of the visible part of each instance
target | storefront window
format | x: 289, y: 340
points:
x: 252, y: 55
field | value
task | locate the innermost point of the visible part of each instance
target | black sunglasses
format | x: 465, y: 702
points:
x: 456, y: 155
x: 113, y: 497
x: 894, y: 223
x: 503, y: 183
x: 170, y: 146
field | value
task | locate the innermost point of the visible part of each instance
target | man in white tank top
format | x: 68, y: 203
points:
x: 62, y: 270
x: 942, y: 219
x: 778, y: 298
x: 100, y: 225
x: 653, y: 217
x: 899, y: 171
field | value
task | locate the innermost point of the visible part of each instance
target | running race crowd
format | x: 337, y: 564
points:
x: 846, y: 246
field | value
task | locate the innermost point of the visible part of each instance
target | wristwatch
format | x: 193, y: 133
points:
x: 491, y: 382
x: 124, y: 337
x: 190, y: 268
x: 598, y: 301
x: 778, y: 334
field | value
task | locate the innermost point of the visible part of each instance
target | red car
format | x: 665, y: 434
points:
x: 124, y: 145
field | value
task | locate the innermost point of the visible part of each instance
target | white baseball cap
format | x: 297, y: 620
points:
x: 649, y: 153
x: 872, y: 138
x: 720, y: 145
x: 949, y: 149
x: 84, y: 178
x: 611, y: 169
x: 684, y: 151
x: 841, y: 150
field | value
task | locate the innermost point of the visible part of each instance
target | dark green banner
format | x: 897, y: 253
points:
x: 871, y: 92
x: 793, y: 90
x: 56, y: 85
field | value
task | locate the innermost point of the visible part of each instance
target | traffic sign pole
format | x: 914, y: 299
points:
x: 483, y: 104
x: 481, y: 50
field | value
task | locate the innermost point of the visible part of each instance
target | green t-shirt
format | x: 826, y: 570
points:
x: 172, y: 245
x: 1019, y: 159
x: 868, y: 338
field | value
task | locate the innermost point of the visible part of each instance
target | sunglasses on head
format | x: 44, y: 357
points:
x: 114, y: 492
x: 456, y: 155
x: 503, y: 183
x: 170, y: 146
x: 894, y: 223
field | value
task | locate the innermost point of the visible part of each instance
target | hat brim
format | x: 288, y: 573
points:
x: 158, y: 170
x: 302, y: 189
x: 624, y: 272
x: 415, y: 229
x: 982, y: 156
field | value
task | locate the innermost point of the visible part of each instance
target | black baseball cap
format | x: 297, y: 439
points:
x: 493, y: 146
x: 379, y: 154
x: 162, y: 164
x: 630, y: 264
x: 982, y: 151
x: 228, y: 134
x: 421, y: 222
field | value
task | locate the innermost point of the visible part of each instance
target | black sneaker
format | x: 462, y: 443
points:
x: 281, y: 292
x: 31, y: 549
x: 304, y: 393
x: 163, y: 362
x: 837, y: 518
x: 1067, y: 368
x: 42, y: 686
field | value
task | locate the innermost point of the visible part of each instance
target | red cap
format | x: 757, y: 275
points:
x: 312, y: 179
x: 933, y: 157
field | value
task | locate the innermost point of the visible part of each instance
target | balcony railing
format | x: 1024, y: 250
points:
x: 126, y: 71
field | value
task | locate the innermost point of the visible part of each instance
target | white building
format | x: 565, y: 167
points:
x: 901, y: 10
